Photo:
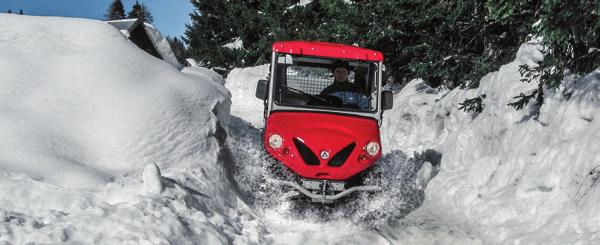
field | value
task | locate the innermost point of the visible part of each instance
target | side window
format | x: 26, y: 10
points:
x: 360, y: 79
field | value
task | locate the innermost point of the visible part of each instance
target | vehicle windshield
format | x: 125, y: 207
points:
x: 323, y: 83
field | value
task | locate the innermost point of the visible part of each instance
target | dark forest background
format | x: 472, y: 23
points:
x: 449, y: 43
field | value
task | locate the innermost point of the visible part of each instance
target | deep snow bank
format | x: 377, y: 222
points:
x: 242, y: 82
x: 90, y: 104
x: 506, y: 176
x: 82, y: 112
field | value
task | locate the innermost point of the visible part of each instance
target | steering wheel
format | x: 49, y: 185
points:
x: 327, y: 100
x: 333, y: 100
x: 339, y: 102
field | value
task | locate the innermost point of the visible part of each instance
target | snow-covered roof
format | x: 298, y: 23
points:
x: 161, y: 45
x: 125, y: 24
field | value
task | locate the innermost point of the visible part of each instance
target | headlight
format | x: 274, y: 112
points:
x: 275, y: 141
x: 372, y: 148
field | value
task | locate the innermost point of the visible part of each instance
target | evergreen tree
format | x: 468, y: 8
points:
x: 258, y: 24
x: 140, y: 11
x: 451, y: 43
x: 115, y: 11
x: 9, y: 11
x: 217, y: 23
x: 20, y: 11
x: 570, y: 36
x: 178, y: 49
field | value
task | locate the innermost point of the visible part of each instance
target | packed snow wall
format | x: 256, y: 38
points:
x: 507, y: 176
x: 103, y: 143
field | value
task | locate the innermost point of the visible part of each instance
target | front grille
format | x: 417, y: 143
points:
x: 341, y: 156
x: 307, y: 155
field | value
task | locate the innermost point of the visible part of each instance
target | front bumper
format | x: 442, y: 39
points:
x: 325, y: 191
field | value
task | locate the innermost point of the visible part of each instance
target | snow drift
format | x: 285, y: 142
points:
x: 83, y: 112
x: 93, y: 106
x: 503, y: 174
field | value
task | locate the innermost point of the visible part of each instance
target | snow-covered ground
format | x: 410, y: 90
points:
x: 103, y: 143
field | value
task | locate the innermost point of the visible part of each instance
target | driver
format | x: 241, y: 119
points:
x: 349, y: 93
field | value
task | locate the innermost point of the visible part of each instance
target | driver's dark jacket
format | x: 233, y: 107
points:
x: 341, y: 86
x: 348, y: 92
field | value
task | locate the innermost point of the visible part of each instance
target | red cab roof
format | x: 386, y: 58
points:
x: 329, y: 50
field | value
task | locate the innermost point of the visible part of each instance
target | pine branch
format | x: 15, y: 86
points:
x: 522, y: 100
x: 473, y: 104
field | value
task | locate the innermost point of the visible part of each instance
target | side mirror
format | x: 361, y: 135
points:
x: 262, y: 89
x: 387, y: 100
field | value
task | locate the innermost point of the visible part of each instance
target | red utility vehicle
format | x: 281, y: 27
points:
x: 324, y: 130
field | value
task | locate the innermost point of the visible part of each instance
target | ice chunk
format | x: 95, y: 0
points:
x: 152, y: 179
x: 424, y: 175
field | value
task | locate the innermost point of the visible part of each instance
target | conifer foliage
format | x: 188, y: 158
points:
x: 451, y: 43
x: 217, y: 23
x: 115, y: 11
x: 140, y: 11
x: 473, y: 104
x: 178, y: 48
x: 570, y: 34
x: 10, y: 12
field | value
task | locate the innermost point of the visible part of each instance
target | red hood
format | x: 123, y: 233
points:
x: 322, y: 132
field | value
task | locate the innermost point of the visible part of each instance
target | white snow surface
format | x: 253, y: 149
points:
x: 508, y: 178
x: 300, y: 3
x: 236, y: 44
x: 242, y: 84
x: 306, y: 2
